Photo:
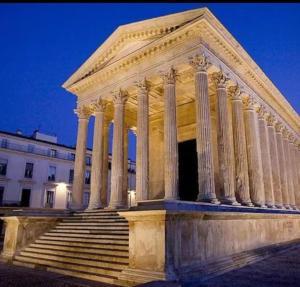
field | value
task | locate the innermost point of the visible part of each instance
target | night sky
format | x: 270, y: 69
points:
x: 41, y: 45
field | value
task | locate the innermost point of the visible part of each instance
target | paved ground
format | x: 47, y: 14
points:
x: 277, y: 271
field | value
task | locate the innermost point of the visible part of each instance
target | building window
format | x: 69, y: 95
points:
x: 109, y: 165
x: 30, y: 148
x: 3, y: 166
x: 53, y: 152
x: 1, y: 198
x: 49, y: 199
x: 51, y: 173
x: 71, y: 175
x: 88, y: 160
x: 72, y: 156
x: 4, y: 143
x: 86, y: 198
x: 88, y: 177
x: 28, y: 170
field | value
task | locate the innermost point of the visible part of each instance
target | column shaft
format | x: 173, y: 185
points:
x: 170, y: 137
x: 240, y: 150
x: 104, y: 194
x: 224, y: 147
x: 125, y: 180
x: 282, y: 168
x: 274, y: 163
x: 117, y: 172
x: 142, y: 143
x: 255, y: 170
x: 79, y: 166
x: 291, y: 172
x: 266, y: 162
x: 97, y: 159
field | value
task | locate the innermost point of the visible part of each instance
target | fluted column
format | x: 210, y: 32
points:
x: 282, y: 159
x: 224, y: 147
x: 83, y: 114
x: 240, y: 149
x: 125, y: 180
x: 206, y: 183
x: 255, y: 170
x: 97, y: 157
x: 117, y: 172
x: 296, y: 179
x: 142, y: 142
x: 170, y: 136
x: 104, y: 194
x: 297, y: 159
x: 274, y: 161
x: 292, y: 178
x: 266, y: 158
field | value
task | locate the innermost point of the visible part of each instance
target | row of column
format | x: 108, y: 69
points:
x: 260, y: 169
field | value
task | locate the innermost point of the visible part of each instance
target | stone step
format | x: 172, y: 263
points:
x: 97, y: 227
x: 67, y: 265
x: 77, y: 249
x: 94, y: 223
x: 94, y: 234
x: 70, y: 243
x: 113, y: 214
x: 95, y: 217
x: 91, y: 260
x: 88, y: 231
x: 87, y: 240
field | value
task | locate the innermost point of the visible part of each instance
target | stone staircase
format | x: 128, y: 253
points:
x: 91, y: 245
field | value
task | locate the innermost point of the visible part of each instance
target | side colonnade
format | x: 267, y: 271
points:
x: 264, y: 171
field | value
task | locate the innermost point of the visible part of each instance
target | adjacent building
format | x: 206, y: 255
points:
x: 36, y: 171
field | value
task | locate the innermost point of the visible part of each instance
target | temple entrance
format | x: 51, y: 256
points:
x: 188, y: 170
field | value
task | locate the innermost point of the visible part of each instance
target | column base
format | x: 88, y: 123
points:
x: 95, y: 206
x: 270, y: 205
x: 117, y: 205
x: 279, y: 206
x: 248, y: 203
x: 230, y: 201
x: 210, y: 200
x: 261, y: 205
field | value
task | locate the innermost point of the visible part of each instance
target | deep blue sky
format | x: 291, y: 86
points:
x: 41, y: 45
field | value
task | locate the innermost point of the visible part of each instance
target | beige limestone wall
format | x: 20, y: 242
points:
x: 169, y: 244
x: 21, y: 231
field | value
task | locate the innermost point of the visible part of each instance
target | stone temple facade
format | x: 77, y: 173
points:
x: 179, y: 78
x: 217, y: 159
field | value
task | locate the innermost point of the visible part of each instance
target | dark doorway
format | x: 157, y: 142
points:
x: 1, y: 195
x: 25, y: 200
x: 188, y: 170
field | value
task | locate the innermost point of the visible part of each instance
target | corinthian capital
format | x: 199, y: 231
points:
x: 169, y: 76
x: 83, y: 112
x: 99, y: 106
x: 249, y: 103
x: 285, y: 133
x: 220, y: 79
x: 143, y: 86
x: 291, y: 138
x: 278, y: 126
x: 200, y: 63
x: 271, y: 119
x: 261, y: 111
x: 120, y: 97
x: 235, y: 93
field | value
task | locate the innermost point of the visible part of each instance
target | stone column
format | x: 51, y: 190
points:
x: 142, y: 142
x: 282, y: 158
x: 125, y: 180
x: 206, y: 182
x: 170, y: 136
x: 297, y: 159
x: 274, y: 161
x: 226, y: 165
x: 83, y: 114
x: 266, y: 158
x: 291, y: 171
x: 255, y: 170
x: 240, y: 150
x: 97, y: 157
x: 104, y: 194
x: 296, y: 174
x: 117, y: 171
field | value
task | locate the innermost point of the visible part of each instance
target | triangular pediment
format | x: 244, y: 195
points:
x: 128, y: 38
